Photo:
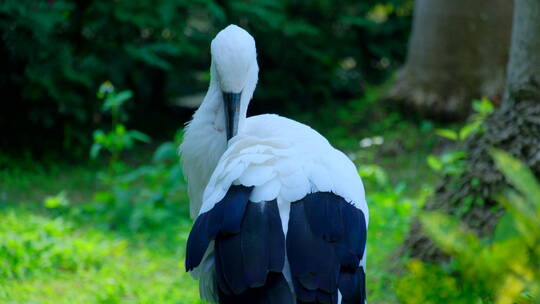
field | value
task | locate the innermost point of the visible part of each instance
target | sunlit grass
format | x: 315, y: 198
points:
x: 60, y: 258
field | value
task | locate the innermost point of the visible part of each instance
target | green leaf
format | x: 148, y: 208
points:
x: 434, y: 163
x: 447, y: 133
x: 469, y: 129
x: 116, y: 100
x: 505, y: 228
x: 99, y: 136
x: 449, y: 234
x: 451, y: 157
x: 139, y: 136
x: 517, y: 174
x: 94, y: 150
x: 165, y: 152
x: 120, y: 130
x: 526, y: 219
x: 123, y: 97
x: 483, y: 106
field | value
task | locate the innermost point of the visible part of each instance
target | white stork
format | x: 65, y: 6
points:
x: 281, y: 215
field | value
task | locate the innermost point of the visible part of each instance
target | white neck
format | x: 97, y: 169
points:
x: 205, y: 138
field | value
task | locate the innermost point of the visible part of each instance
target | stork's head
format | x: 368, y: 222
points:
x: 235, y: 60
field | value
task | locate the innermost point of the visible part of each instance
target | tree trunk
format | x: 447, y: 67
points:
x: 514, y: 127
x: 458, y: 51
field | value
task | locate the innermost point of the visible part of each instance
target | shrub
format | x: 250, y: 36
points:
x: 503, y: 269
x: 137, y: 198
x: 55, y: 54
x: 144, y: 197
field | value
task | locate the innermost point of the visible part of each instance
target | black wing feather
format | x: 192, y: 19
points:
x: 233, y: 211
x: 352, y: 286
x: 254, y: 246
x: 209, y: 224
x: 325, y: 243
x: 313, y: 260
x: 249, y: 249
x: 276, y: 241
x: 275, y: 291
x: 230, y: 262
x: 248, y: 261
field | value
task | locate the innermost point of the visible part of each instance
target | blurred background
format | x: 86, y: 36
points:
x: 437, y: 103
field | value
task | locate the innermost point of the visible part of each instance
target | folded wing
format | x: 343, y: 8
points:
x: 249, y: 249
x: 326, y: 243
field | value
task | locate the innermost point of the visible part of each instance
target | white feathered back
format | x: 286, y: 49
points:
x: 284, y: 160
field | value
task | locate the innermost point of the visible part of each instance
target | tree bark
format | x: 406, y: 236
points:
x: 514, y: 127
x: 458, y: 51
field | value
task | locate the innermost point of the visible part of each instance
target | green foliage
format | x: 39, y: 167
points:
x: 501, y: 270
x: 144, y: 197
x: 341, y: 44
x: 429, y: 284
x: 449, y: 163
x: 390, y: 211
x: 124, y: 246
x: 56, y: 201
x: 31, y: 245
x: 482, y: 109
x: 55, y: 54
x: 368, y: 119
x: 118, y: 139
x: 373, y: 173
x: 453, y: 162
x: 115, y: 141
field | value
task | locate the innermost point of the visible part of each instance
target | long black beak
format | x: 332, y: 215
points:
x: 231, y: 102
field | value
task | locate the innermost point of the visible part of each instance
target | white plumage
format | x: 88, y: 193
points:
x: 281, y: 159
x: 284, y: 160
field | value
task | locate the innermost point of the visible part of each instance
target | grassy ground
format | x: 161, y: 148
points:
x: 70, y: 253
x: 59, y: 260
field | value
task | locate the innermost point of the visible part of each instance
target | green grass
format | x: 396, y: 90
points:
x: 25, y: 184
x: 63, y: 257
x: 71, y: 254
